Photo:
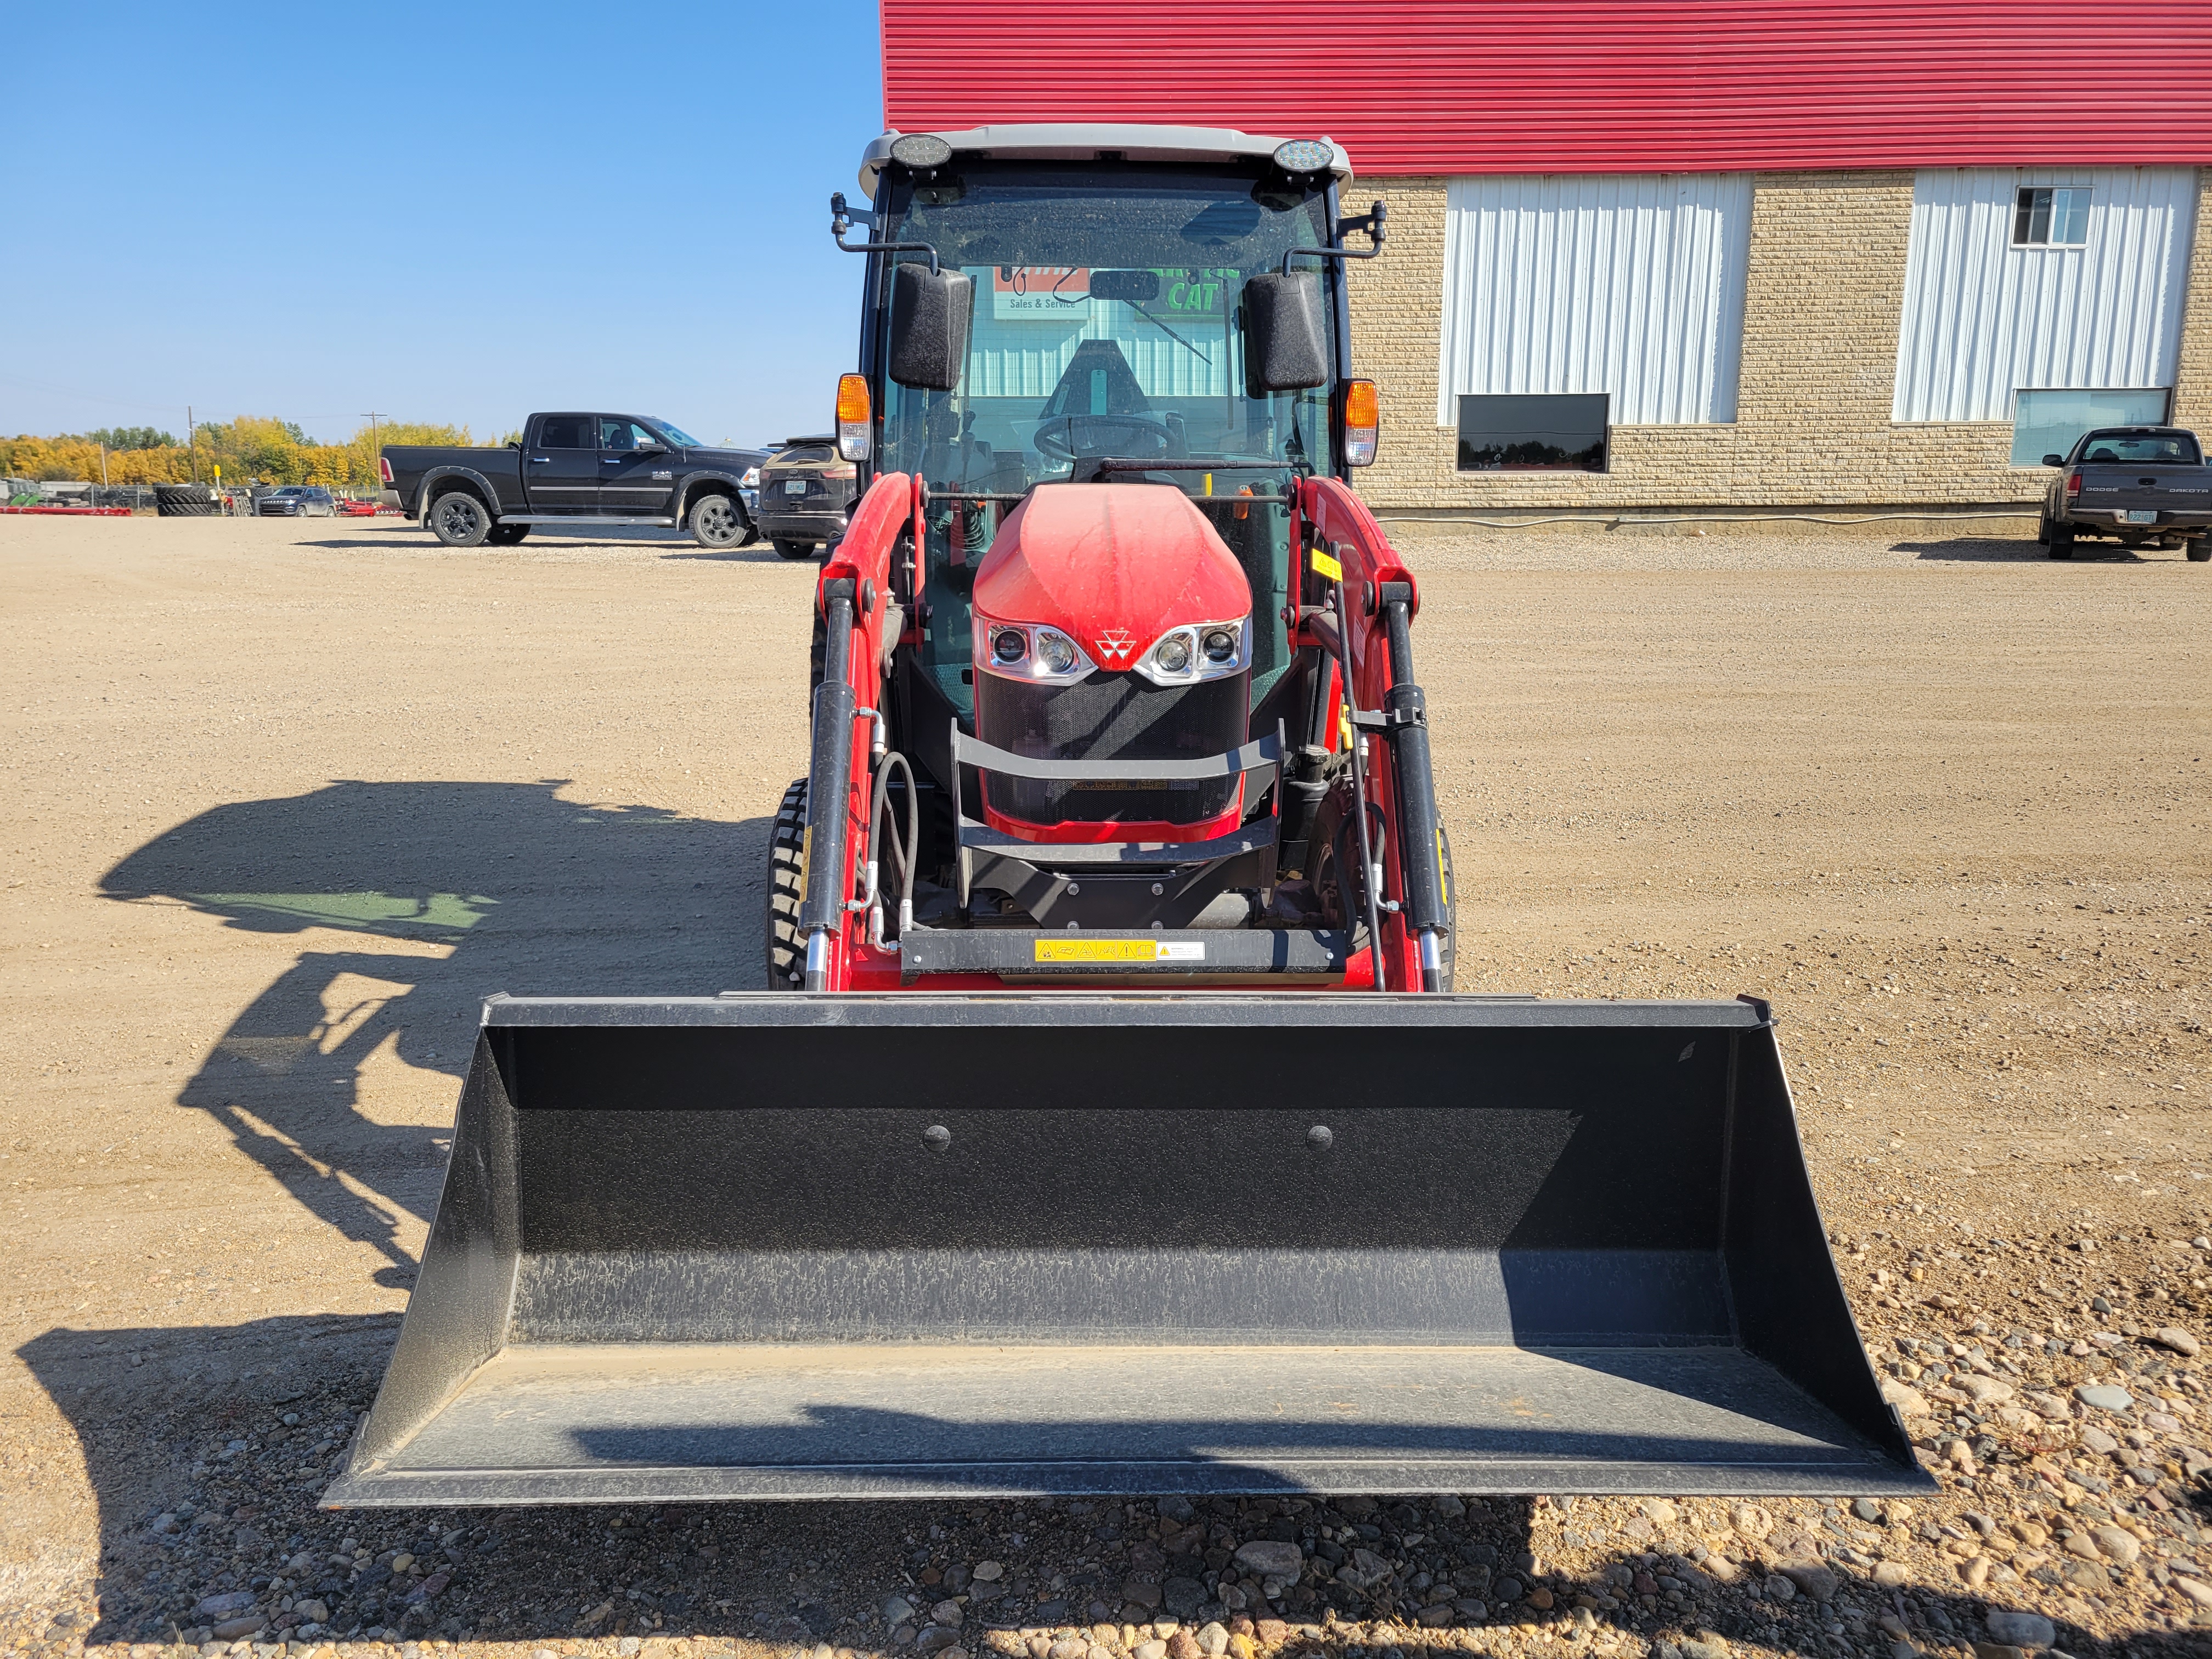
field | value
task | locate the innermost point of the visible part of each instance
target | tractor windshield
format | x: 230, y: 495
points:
x: 1105, y: 326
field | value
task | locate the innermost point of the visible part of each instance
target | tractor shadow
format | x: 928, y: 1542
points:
x: 184, y: 1514
x: 412, y: 901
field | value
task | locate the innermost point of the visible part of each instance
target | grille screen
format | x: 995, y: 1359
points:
x: 1109, y: 717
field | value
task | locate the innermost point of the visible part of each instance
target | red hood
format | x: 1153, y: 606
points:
x: 1115, y: 566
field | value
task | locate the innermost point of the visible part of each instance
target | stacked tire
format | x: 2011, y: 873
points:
x: 185, y: 501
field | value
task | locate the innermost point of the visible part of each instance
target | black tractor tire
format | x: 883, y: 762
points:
x: 1332, y: 866
x: 2060, y: 540
x: 718, y: 521
x: 2196, y: 549
x: 791, y: 549
x: 185, y: 501
x: 459, y: 519
x: 506, y: 535
x: 786, y: 892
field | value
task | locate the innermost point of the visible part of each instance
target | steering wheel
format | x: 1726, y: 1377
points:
x: 1066, y: 439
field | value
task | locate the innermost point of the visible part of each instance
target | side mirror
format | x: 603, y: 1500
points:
x: 2054, y: 461
x: 1285, y: 349
x: 930, y: 314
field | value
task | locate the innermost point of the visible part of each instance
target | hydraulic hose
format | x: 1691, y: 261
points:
x: 903, y: 847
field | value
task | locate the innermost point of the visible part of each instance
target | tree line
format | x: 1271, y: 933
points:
x: 250, y: 449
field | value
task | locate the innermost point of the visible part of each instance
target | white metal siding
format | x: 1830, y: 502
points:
x: 1631, y: 285
x: 1983, y: 318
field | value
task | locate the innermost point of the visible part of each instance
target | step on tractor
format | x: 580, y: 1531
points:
x: 1111, y: 1124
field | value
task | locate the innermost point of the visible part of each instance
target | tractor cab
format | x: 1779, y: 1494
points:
x: 1104, y: 274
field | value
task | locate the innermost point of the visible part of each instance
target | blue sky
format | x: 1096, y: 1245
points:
x: 458, y: 212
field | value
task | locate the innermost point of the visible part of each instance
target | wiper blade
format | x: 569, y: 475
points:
x: 1170, y: 333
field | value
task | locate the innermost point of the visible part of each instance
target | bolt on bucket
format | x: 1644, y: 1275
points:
x: 769, y: 1246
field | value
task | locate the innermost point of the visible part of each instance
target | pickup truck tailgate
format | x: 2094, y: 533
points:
x: 2135, y: 486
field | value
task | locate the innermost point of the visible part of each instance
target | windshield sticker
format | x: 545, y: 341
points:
x: 1041, y: 293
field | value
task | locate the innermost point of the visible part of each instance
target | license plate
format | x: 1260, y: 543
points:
x: 795, y: 487
x: 2138, y: 515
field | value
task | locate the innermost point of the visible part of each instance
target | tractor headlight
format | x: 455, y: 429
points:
x: 1199, y: 651
x: 1030, y: 651
x: 1055, y: 651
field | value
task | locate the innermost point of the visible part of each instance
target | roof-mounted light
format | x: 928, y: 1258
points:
x: 1294, y: 155
x: 921, y: 151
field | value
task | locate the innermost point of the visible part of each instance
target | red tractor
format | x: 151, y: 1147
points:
x: 1117, y: 1139
x: 1117, y: 682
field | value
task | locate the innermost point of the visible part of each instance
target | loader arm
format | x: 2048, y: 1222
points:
x: 854, y: 597
x: 1369, y: 633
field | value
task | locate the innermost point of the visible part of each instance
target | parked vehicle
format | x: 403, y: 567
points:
x: 806, y: 495
x: 576, y: 471
x: 2137, y: 484
x: 356, y: 509
x: 297, y: 501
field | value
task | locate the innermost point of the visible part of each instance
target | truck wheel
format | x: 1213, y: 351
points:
x: 717, y: 522
x: 506, y: 535
x: 2060, y: 541
x: 791, y: 549
x: 2199, y: 550
x: 459, y: 520
x: 786, y: 890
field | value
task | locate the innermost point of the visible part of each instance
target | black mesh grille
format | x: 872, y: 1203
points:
x: 1109, y: 717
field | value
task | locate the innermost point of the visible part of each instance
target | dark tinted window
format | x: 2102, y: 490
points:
x: 1531, y: 433
x: 2166, y: 449
x: 809, y: 454
x: 565, y: 432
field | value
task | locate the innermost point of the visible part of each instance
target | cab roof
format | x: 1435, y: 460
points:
x: 1082, y: 141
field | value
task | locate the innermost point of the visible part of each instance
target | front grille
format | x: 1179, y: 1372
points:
x: 1109, y: 717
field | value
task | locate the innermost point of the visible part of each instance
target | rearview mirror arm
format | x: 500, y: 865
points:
x: 1370, y: 221
x: 842, y: 219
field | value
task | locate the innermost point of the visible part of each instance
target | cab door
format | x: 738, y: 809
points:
x: 637, y: 470
x: 561, y: 467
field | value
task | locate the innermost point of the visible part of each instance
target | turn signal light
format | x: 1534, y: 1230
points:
x: 853, y: 422
x: 1362, y: 420
x: 384, y: 468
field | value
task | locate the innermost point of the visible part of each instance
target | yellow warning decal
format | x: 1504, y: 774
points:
x: 1326, y: 565
x: 1120, y: 950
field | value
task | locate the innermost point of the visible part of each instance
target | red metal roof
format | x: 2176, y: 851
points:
x: 1512, y: 86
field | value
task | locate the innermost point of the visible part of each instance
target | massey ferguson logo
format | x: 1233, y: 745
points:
x: 1116, y: 644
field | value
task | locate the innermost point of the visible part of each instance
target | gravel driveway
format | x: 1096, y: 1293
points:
x: 285, y: 800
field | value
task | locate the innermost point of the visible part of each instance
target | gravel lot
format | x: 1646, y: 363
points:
x: 285, y: 800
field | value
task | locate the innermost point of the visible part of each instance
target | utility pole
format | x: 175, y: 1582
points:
x: 103, y: 464
x: 372, y: 417
x: 192, y: 443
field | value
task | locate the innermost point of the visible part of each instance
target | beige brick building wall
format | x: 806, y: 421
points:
x: 2193, y: 383
x: 1823, y: 294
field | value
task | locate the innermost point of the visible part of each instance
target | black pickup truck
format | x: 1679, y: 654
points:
x: 578, y: 472
x: 2134, y: 483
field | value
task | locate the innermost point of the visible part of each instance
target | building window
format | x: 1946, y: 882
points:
x: 2042, y: 216
x: 1533, y: 433
x: 2050, y: 422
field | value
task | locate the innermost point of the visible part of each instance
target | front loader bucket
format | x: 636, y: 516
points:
x: 785, y: 1246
